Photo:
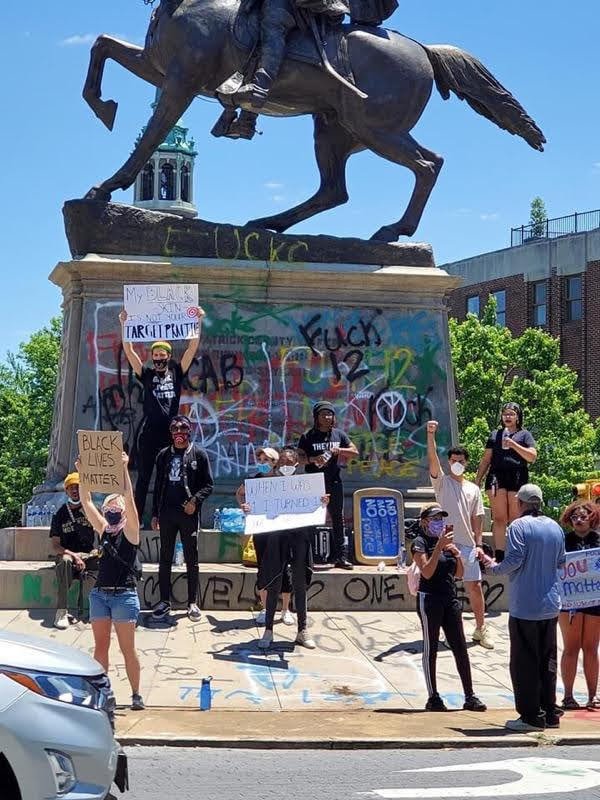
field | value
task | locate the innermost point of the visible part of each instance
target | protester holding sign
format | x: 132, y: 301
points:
x: 320, y: 448
x: 162, y: 391
x: 183, y: 482
x: 535, y: 550
x: 580, y: 628
x: 114, y: 600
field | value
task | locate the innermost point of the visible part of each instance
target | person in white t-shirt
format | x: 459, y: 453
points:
x: 462, y: 500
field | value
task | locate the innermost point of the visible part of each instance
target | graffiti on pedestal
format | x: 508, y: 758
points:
x: 261, y: 367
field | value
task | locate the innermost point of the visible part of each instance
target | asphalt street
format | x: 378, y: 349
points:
x: 551, y: 773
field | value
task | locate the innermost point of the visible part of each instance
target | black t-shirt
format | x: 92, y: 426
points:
x: 441, y: 582
x: 116, y: 571
x: 73, y: 529
x: 175, y: 493
x: 314, y: 443
x: 587, y: 542
x: 162, y: 392
x: 508, y: 460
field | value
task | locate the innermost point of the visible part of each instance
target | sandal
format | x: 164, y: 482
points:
x: 593, y: 704
x: 570, y: 704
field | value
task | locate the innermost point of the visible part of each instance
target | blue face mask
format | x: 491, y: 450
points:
x: 264, y: 469
x: 436, y: 527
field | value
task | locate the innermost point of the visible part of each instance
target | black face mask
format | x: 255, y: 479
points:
x: 113, y: 517
x: 160, y: 364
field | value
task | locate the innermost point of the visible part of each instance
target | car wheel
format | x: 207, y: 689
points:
x: 10, y: 787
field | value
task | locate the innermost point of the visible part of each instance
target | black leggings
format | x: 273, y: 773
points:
x: 335, y: 507
x: 151, y: 441
x: 437, y: 612
x: 171, y: 522
x: 295, y: 552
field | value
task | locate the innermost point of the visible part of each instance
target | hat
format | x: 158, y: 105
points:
x: 269, y: 452
x: 323, y: 405
x: 432, y: 510
x: 161, y: 346
x: 530, y: 493
x: 72, y: 479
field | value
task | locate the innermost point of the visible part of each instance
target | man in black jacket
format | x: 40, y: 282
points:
x: 183, y: 482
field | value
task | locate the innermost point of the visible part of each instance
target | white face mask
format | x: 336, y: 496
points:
x: 287, y: 469
x: 456, y: 468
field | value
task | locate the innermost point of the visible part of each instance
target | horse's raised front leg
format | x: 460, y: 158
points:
x: 171, y: 106
x: 401, y: 148
x: 130, y: 57
x: 333, y: 146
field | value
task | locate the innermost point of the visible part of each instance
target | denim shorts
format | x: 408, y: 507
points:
x: 468, y: 554
x: 123, y: 607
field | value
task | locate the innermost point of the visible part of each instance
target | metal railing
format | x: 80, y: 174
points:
x: 553, y: 228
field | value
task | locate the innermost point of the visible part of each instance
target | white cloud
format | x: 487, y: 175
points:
x: 489, y: 216
x: 78, y: 39
x: 273, y: 185
x: 596, y: 166
x: 278, y: 198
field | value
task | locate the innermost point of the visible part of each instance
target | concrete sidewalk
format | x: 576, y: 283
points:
x: 344, y: 730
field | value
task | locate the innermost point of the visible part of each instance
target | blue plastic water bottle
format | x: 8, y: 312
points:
x: 205, y: 694
x: 179, y: 559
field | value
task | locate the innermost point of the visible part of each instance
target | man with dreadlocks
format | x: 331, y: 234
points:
x: 319, y: 449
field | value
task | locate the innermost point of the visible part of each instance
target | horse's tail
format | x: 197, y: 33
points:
x: 458, y: 71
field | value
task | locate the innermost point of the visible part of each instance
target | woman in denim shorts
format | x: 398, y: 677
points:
x: 114, y: 599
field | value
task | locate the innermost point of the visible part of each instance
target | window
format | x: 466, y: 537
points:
x: 185, y: 183
x: 473, y: 305
x: 500, y: 298
x: 167, y: 182
x: 540, y: 303
x: 574, y: 298
x: 148, y: 182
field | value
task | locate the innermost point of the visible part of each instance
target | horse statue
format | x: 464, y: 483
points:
x: 190, y: 49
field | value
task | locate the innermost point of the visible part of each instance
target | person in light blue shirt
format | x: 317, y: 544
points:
x: 535, y: 550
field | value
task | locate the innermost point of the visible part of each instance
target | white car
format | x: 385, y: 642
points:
x: 56, y: 723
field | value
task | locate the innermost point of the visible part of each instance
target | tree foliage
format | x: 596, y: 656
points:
x: 492, y: 367
x: 27, y: 389
x: 537, y: 217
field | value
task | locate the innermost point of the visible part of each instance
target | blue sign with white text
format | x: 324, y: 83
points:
x: 379, y: 527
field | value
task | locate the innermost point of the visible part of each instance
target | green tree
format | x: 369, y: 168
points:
x: 491, y: 367
x: 537, y: 217
x: 27, y: 390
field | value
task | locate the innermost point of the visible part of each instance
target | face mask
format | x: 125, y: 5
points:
x: 72, y: 501
x: 456, y: 468
x: 112, y: 516
x: 181, y: 438
x: 160, y: 364
x: 436, y: 527
x: 287, y: 470
x: 263, y: 469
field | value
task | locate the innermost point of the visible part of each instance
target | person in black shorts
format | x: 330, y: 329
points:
x: 509, y: 451
x: 439, y: 562
x: 320, y: 449
x: 580, y: 629
x: 162, y: 391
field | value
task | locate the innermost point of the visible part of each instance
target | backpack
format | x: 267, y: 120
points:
x: 413, y: 578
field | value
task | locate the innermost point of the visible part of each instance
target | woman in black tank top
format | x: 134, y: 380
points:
x: 114, y: 599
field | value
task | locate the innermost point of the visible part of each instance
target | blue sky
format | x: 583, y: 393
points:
x: 53, y: 148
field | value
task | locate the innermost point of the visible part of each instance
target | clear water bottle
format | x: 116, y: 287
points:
x: 35, y: 517
x: 51, y: 512
x: 217, y: 519
x: 402, y: 557
x: 179, y: 554
x: 381, y: 566
x: 505, y: 438
x: 205, y: 694
x: 30, y: 517
x: 45, y: 516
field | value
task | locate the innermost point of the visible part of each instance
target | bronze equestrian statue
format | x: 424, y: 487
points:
x: 193, y: 47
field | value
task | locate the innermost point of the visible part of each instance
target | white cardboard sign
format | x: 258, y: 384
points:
x: 160, y: 311
x: 283, y: 503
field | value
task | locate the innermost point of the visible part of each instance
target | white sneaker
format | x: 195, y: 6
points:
x: 483, y: 635
x: 288, y: 618
x: 520, y: 726
x: 265, y: 642
x: 304, y: 638
x: 61, y: 619
x: 261, y: 617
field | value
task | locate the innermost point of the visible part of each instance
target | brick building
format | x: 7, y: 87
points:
x: 549, y: 283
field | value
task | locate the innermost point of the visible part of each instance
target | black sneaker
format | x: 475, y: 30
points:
x: 473, y: 703
x: 435, y: 703
x: 161, y: 610
x: 137, y: 704
x: 343, y: 563
x: 552, y: 721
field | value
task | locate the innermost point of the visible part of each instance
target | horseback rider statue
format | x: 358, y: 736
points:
x: 277, y: 19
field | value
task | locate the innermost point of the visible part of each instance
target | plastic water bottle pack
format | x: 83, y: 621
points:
x: 231, y: 520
